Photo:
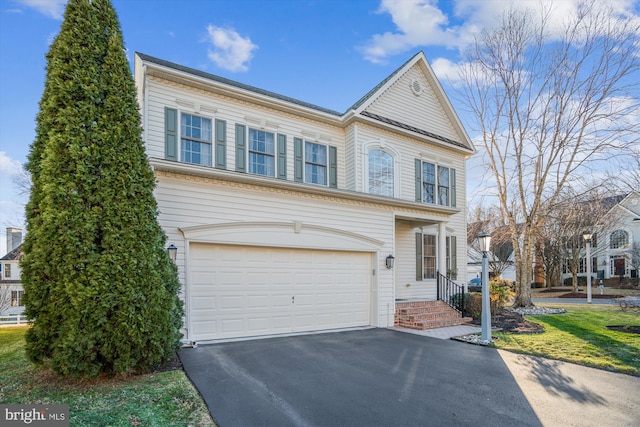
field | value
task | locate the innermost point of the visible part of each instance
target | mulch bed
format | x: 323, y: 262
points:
x: 510, y: 321
x: 625, y: 328
x: 594, y: 295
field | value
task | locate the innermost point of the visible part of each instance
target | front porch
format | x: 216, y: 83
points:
x: 445, y: 310
x: 427, y: 314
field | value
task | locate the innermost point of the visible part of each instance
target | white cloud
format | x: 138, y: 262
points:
x: 230, y: 50
x: 423, y: 23
x: 418, y: 22
x: 52, y: 8
x: 9, y: 166
x: 447, y: 70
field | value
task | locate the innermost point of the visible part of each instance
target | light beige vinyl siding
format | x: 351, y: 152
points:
x: 165, y: 94
x: 189, y: 201
x: 409, y: 150
x: 426, y: 111
x: 186, y: 202
x: 351, y: 158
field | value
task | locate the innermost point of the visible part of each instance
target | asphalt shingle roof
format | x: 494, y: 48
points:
x: 274, y: 95
x: 15, y: 254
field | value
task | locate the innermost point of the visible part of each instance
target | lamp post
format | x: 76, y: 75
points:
x: 587, y: 237
x: 485, y: 242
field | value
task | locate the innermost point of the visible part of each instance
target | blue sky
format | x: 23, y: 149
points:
x: 326, y: 52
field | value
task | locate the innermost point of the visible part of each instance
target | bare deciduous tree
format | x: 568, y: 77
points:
x: 489, y: 219
x: 547, y: 105
x: 5, y: 297
x: 634, y: 260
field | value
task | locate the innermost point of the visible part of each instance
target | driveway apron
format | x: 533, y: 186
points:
x: 374, y: 377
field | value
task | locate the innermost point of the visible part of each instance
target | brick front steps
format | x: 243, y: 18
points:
x: 427, y: 315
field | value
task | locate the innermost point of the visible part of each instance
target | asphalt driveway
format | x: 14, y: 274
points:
x: 380, y: 377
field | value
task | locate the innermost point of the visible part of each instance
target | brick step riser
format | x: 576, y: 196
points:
x: 434, y: 324
x: 416, y: 304
x: 431, y: 316
x: 420, y: 310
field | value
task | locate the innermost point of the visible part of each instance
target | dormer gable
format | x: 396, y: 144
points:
x: 412, y: 99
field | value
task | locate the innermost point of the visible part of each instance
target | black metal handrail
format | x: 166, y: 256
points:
x: 451, y: 293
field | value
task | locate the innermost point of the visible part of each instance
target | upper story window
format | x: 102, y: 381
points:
x: 435, y: 184
x: 381, y: 173
x: 195, y: 139
x: 262, y: 153
x: 7, y: 271
x: 443, y: 186
x: 619, y: 239
x: 315, y: 163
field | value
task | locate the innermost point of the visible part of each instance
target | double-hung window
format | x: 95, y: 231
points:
x: 261, y: 153
x: 429, y: 257
x: 195, y: 139
x: 428, y: 182
x: 315, y: 163
x: 16, y: 298
x: 443, y: 186
x: 435, y: 184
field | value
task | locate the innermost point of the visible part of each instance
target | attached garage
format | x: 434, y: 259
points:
x: 238, y: 291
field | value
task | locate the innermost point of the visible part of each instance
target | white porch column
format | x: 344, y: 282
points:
x: 442, y: 248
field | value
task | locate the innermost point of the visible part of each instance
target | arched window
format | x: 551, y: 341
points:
x: 381, y: 174
x: 619, y: 239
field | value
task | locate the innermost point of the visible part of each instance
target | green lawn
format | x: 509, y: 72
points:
x: 580, y: 336
x: 159, y: 399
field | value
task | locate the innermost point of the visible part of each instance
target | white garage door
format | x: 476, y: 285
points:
x: 245, y: 291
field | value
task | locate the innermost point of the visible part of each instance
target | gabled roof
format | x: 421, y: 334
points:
x: 234, y: 83
x: 382, y: 84
x: 14, y: 255
x: 418, y: 60
x: 357, y: 109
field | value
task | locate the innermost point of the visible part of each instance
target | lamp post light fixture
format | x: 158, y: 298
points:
x: 587, y: 237
x: 390, y: 261
x: 485, y: 243
x: 172, y: 250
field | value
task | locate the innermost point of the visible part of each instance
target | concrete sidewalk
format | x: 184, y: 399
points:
x: 573, y: 301
x: 442, y: 333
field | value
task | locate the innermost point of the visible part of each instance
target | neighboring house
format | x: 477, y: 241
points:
x: 11, y: 291
x: 612, y: 245
x: 501, y: 259
x: 474, y: 265
x: 285, y: 214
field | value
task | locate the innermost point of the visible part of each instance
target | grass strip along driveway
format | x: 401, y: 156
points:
x: 158, y: 399
x: 581, y: 336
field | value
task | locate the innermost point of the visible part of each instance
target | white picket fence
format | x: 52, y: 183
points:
x: 13, y: 319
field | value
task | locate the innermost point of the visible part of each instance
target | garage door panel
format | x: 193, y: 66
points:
x: 252, y: 291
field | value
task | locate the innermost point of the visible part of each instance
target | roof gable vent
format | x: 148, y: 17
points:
x: 416, y: 87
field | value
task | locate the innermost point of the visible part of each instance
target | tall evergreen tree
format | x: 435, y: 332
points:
x: 100, y: 289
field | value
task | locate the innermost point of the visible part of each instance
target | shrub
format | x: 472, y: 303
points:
x: 582, y: 280
x: 473, y: 305
x: 100, y: 290
x: 500, y: 292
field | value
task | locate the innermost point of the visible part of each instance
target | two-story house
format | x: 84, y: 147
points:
x: 11, y: 290
x: 289, y: 217
x: 615, y: 247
